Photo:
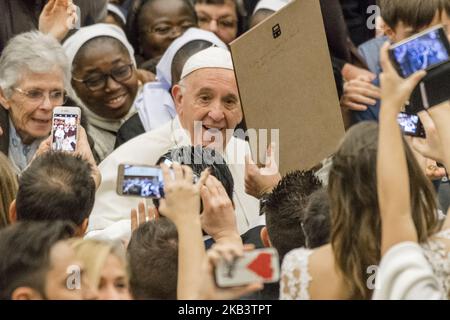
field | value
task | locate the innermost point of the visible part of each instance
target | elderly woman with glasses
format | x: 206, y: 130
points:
x: 33, y: 76
x: 105, y: 81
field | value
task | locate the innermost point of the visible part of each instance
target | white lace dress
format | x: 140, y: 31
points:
x: 439, y: 258
x: 295, y: 277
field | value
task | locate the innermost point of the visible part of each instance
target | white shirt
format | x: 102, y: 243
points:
x: 146, y: 149
x: 59, y: 133
x: 405, y: 274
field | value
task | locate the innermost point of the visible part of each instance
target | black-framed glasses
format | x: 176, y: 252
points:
x: 37, y: 96
x: 98, y: 82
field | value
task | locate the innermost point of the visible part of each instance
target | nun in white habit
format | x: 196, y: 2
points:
x: 106, y: 103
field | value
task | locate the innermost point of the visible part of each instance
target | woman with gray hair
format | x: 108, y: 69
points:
x: 34, y: 76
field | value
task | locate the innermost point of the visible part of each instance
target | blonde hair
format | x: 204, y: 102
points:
x: 93, y: 255
x: 8, y: 189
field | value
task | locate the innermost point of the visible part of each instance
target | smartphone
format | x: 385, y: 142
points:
x: 411, y: 125
x: 261, y: 265
x: 65, y: 123
x: 140, y: 181
x: 423, y: 51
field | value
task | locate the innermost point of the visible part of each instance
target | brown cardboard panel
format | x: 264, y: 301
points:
x: 286, y: 82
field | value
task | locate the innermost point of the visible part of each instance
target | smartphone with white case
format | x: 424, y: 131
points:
x: 65, y: 122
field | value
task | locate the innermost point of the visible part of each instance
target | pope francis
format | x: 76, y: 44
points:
x: 208, y: 109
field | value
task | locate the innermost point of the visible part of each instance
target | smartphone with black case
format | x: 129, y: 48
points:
x: 423, y: 51
x: 428, y: 50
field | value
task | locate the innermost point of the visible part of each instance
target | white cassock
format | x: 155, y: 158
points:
x: 110, y: 218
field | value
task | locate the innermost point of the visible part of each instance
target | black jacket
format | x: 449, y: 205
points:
x: 4, y: 124
x: 356, y: 16
x: 129, y: 130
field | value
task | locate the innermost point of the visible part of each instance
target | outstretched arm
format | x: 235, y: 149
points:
x: 58, y: 18
x: 182, y: 205
x: 392, y: 172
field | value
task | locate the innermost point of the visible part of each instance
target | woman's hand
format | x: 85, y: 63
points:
x: 259, y: 181
x: 140, y: 216
x: 431, y: 147
x: 218, y: 218
x: 182, y: 197
x: 57, y: 18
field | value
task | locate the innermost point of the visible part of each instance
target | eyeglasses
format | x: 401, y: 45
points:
x: 98, y: 82
x: 37, y: 96
x: 165, y: 29
x: 222, y: 23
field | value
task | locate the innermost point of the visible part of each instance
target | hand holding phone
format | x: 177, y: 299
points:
x: 260, y: 265
x: 142, y: 180
x: 65, y: 123
x: 430, y: 51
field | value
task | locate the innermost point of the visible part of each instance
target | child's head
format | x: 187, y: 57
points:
x: 406, y: 18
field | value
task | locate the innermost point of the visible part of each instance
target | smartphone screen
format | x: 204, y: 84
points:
x: 140, y: 181
x: 422, y: 52
x: 410, y: 125
x: 65, y: 126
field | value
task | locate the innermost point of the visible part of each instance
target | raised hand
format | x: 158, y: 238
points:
x: 392, y: 172
x: 141, y: 216
x: 182, y: 197
x: 396, y: 90
x: 57, y: 18
x: 358, y: 93
x: 259, y: 181
x: 431, y: 147
x: 84, y: 150
x: 218, y: 218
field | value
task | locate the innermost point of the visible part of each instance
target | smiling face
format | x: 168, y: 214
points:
x: 160, y: 23
x: 30, y: 119
x: 95, y: 59
x: 211, y: 96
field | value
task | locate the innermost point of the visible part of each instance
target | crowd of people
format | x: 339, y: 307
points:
x: 370, y: 222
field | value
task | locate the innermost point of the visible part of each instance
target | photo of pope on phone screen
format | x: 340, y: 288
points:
x: 65, y: 132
